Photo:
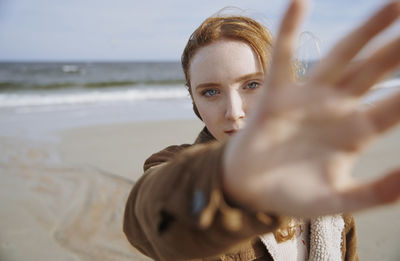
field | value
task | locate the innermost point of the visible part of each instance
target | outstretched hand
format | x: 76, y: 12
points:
x: 296, y: 154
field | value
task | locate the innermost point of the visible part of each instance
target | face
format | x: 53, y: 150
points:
x: 225, y: 78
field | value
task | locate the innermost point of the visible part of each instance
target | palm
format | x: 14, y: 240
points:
x: 312, y: 148
x: 300, y: 144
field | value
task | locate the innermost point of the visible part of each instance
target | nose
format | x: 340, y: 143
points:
x: 234, y: 106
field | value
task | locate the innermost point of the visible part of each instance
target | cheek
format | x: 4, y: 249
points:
x: 250, y: 101
x: 210, y: 111
x: 211, y: 116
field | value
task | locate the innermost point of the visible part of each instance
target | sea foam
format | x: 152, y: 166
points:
x: 91, y: 96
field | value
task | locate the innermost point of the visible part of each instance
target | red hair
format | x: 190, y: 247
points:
x: 238, y: 28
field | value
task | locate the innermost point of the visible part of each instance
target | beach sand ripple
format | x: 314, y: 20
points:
x: 75, y: 212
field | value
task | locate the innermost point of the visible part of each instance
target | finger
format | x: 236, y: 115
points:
x: 281, y: 65
x: 361, y: 77
x: 379, y: 192
x: 385, y: 114
x: 332, y: 66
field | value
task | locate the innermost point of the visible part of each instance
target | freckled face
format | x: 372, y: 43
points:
x: 225, y: 78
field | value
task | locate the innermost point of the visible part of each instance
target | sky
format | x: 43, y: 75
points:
x: 151, y: 30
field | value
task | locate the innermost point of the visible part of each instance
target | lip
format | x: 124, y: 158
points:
x: 231, y: 132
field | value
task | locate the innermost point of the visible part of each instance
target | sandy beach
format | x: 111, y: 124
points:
x: 64, y: 200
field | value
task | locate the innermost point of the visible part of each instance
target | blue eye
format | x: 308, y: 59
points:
x: 210, y: 92
x: 252, y: 85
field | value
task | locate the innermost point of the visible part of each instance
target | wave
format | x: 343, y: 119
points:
x: 131, y: 94
x: 90, y: 97
x: 21, y: 86
x: 10, y: 87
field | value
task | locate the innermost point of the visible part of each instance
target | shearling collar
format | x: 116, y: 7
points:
x: 325, y: 241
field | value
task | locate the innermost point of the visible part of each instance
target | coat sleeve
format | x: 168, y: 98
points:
x: 177, y: 210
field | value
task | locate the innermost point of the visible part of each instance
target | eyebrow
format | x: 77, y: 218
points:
x: 239, y: 79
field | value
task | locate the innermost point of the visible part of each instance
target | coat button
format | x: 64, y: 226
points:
x: 198, y: 202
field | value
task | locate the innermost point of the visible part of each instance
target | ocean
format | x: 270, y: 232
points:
x: 37, y: 99
x: 35, y: 84
x: 50, y: 96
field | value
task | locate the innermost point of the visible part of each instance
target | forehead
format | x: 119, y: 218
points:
x: 223, y: 60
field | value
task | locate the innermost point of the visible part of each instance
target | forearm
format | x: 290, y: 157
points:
x: 177, y: 209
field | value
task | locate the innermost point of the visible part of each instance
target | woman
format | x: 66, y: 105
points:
x: 271, y: 149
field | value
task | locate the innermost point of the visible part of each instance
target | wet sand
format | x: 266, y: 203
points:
x: 64, y: 200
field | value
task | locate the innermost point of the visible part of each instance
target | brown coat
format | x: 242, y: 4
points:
x: 176, y: 210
